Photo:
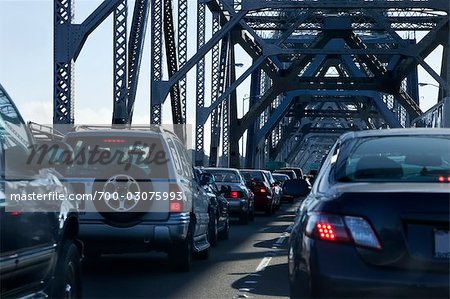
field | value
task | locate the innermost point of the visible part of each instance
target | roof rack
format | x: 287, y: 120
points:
x: 44, y: 133
x: 152, y: 128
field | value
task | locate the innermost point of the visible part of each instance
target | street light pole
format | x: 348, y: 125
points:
x: 441, y: 89
x: 246, y: 97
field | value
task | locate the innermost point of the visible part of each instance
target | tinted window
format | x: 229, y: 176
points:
x: 252, y: 176
x: 12, y: 126
x: 224, y: 176
x: 395, y: 158
x: 280, y: 177
x: 110, y: 151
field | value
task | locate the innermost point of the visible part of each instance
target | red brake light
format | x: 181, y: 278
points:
x: 326, y: 231
x: 15, y: 213
x: 262, y: 190
x: 344, y: 229
x: 441, y: 179
x: 110, y: 140
x: 234, y: 194
x: 175, y: 206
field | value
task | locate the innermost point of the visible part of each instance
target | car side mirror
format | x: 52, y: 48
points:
x: 296, y: 187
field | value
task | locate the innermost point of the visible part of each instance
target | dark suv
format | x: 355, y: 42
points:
x: 145, y: 196
x: 40, y: 252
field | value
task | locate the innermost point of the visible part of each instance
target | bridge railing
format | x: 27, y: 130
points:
x: 437, y: 116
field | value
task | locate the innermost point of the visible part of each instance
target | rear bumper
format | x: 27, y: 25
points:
x: 237, y: 206
x: 349, y: 276
x: 100, y: 237
x: 263, y: 202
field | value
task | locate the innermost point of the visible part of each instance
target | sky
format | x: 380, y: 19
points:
x: 26, y: 63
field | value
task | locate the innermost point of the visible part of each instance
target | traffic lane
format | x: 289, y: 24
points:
x: 149, y: 276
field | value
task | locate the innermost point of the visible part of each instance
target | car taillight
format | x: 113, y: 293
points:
x: 443, y: 179
x: 175, y: 205
x: 262, y: 190
x: 234, y: 194
x: 344, y: 229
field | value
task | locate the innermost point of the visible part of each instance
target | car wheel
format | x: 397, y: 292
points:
x: 125, y: 212
x: 180, y: 256
x: 299, y: 286
x: 269, y: 210
x: 225, y: 233
x: 213, y: 234
x: 67, y: 273
x: 243, y: 219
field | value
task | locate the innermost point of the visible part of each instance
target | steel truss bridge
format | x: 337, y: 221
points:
x: 318, y: 68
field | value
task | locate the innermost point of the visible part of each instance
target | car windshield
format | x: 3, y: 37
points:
x: 395, y: 159
x: 224, y: 176
x: 252, y: 176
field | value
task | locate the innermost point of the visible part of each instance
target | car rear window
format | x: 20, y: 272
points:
x: 252, y: 176
x: 224, y: 176
x: 118, y: 151
x: 395, y: 159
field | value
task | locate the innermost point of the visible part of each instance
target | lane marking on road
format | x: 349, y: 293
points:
x: 243, y: 292
x: 245, y: 289
x: 263, y: 264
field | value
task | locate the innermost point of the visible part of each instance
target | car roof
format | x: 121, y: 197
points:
x: 137, y: 131
x: 259, y: 170
x: 279, y: 174
x: 395, y: 132
x: 221, y: 169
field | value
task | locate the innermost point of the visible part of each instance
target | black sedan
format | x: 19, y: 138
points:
x: 219, y: 220
x: 376, y: 223
x: 239, y: 197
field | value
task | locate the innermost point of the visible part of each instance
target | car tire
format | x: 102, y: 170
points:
x: 180, y: 256
x: 269, y: 211
x: 129, y: 218
x: 243, y: 219
x: 213, y: 233
x: 225, y: 233
x: 67, y: 282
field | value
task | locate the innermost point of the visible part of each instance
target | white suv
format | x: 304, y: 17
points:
x: 138, y: 193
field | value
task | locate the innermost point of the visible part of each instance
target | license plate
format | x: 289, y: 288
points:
x: 441, y: 244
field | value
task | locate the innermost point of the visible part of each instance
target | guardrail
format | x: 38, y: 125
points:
x: 437, y: 116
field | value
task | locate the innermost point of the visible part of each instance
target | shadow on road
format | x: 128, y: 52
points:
x: 270, y: 282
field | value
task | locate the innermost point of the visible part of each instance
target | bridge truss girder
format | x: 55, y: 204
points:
x: 309, y: 49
